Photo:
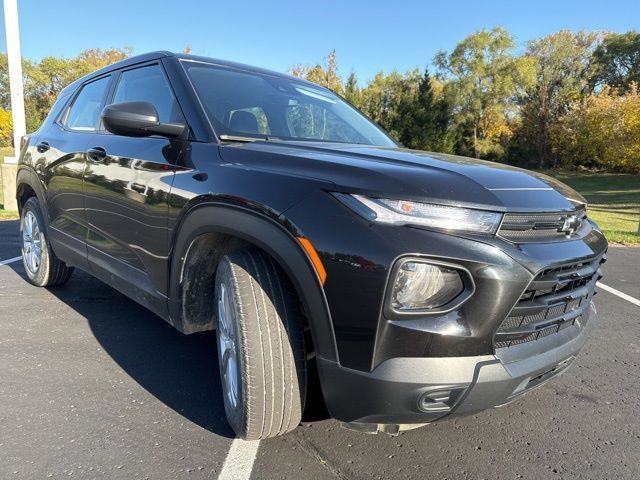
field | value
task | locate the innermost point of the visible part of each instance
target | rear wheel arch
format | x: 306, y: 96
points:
x: 28, y: 185
x: 211, y: 230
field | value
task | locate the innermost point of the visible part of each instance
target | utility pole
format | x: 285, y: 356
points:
x: 14, y: 60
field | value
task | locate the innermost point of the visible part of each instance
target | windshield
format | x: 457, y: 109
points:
x: 250, y: 104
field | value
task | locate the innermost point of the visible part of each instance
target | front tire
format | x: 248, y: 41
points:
x: 43, y: 268
x: 260, y: 346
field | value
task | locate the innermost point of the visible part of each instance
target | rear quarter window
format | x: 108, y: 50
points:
x: 57, y: 108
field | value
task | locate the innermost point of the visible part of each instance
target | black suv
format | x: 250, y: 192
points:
x: 417, y: 285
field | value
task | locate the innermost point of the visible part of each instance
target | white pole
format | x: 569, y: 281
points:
x: 15, y: 73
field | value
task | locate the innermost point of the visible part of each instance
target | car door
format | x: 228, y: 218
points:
x: 127, y: 183
x: 59, y: 160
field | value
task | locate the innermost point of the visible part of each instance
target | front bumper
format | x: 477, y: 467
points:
x: 405, y: 391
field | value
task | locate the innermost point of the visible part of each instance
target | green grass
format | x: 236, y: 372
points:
x: 8, y: 215
x: 614, y: 202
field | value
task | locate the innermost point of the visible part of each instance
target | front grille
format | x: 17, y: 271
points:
x: 556, y: 299
x: 536, y: 227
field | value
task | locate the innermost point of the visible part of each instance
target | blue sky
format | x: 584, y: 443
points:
x: 368, y: 35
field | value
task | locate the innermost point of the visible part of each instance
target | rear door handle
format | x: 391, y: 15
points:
x: 96, y: 154
x: 42, y: 147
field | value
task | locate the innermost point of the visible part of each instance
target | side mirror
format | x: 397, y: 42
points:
x: 137, y: 119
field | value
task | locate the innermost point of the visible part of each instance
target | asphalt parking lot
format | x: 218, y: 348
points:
x: 94, y: 386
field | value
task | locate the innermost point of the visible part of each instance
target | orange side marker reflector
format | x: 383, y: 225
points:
x: 315, y: 259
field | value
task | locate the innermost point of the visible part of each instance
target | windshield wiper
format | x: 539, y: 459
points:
x: 240, y: 138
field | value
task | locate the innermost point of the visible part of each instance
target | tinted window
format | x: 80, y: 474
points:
x: 307, y: 120
x: 255, y: 104
x: 149, y: 84
x: 262, y: 123
x: 83, y: 114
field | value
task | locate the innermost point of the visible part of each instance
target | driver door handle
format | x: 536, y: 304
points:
x: 96, y: 154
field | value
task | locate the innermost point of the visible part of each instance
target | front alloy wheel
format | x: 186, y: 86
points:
x: 227, y: 338
x: 260, y: 345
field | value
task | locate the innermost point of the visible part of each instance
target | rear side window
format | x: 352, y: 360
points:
x: 85, y: 110
x: 149, y: 84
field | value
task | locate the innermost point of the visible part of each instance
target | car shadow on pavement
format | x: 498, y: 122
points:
x: 179, y: 370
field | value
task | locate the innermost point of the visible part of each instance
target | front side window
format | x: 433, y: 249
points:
x: 85, y: 110
x: 149, y: 84
x: 244, y: 103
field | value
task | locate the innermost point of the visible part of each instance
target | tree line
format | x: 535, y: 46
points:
x: 569, y: 99
x: 44, y: 80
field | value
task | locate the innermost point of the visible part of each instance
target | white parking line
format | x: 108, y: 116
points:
x: 239, y: 462
x: 624, y: 296
x: 10, y: 260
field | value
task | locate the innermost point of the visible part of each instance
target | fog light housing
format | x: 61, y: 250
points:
x: 424, y: 286
x: 440, y: 400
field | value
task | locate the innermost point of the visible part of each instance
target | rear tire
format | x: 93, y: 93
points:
x: 260, y: 346
x: 43, y: 268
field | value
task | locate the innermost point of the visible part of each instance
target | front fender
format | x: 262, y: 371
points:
x: 273, y: 238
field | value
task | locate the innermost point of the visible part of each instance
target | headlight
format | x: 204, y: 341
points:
x: 420, y: 286
x: 405, y: 212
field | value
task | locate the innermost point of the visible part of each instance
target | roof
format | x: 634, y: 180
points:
x: 146, y: 57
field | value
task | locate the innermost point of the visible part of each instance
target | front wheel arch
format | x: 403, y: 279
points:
x: 249, y: 227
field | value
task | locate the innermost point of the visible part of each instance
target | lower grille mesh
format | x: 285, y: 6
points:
x: 556, y: 299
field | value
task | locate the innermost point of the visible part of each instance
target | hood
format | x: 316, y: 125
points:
x: 409, y: 174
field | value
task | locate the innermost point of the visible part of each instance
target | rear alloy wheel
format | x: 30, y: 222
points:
x: 260, y: 346
x: 31, y: 243
x: 43, y: 268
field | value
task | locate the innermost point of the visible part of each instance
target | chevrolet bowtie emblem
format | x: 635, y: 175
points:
x: 571, y: 224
